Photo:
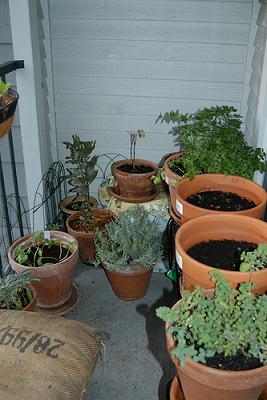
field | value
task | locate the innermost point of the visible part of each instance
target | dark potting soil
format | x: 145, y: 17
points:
x: 51, y: 254
x: 220, y: 201
x: 238, y: 362
x: 176, y: 168
x: 136, y: 169
x: 222, y: 254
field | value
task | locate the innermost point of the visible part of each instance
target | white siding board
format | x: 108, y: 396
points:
x: 5, y: 36
x: 151, y: 10
x: 221, y: 91
x: 167, y: 31
x: 145, y: 69
x: 136, y: 50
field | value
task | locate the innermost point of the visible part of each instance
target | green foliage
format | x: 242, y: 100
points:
x: 254, y: 260
x: 36, y: 248
x: 134, y: 239
x: 4, y: 87
x: 213, y: 142
x: 82, y: 171
x: 11, y: 287
x: 231, y: 321
x: 134, y: 135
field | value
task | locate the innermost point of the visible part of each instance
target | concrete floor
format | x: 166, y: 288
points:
x: 136, y: 365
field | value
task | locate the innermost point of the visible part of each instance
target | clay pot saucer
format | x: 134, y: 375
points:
x: 176, y: 390
x: 66, y: 308
x: 114, y: 192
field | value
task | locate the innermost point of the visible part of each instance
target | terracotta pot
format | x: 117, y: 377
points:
x: 200, y: 382
x: 129, y: 285
x: 171, y: 178
x: 218, y: 227
x: 63, y: 204
x: 54, y: 287
x: 86, y: 239
x: 235, y: 184
x: 131, y: 185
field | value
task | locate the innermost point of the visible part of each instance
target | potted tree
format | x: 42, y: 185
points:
x: 84, y: 217
x: 218, y: 344
x: 17, y: 293
x: 221, y: 241
x: 212, y: 142
x: 133, y: 176
x: 8, y: 103
x: 51, y: 257
x: 128, y: 250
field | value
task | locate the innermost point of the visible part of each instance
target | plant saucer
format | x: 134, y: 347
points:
x: 114, y: 192
x: 67, y: 307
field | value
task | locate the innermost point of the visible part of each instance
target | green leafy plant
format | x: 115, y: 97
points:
x: 213, y: 142
x: 134, y: 239
x: 134, y: 135
x: 230, y: 322
x: 254, y: 260
x: 34, y: 254
x: 82, y: 170
x: 4, y: 87
x: 14, y: 291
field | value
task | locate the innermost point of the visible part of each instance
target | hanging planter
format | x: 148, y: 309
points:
x: 8, y: 103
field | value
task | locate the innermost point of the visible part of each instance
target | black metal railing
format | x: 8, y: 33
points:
x: 5, y: 69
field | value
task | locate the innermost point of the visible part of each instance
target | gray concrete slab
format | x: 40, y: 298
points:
x: 136, y: 365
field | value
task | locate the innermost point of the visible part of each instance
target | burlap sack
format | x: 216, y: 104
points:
x: 45, y: 358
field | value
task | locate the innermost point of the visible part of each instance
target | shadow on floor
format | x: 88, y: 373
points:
x: 155, y: 330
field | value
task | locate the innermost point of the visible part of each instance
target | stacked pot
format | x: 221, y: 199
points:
x: 199, y: 225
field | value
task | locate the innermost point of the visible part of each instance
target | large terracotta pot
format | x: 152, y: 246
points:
x: 235, y: 184
x: 171, y: 178
x: 135, y: 186
x: 86, y: 239
x: 200, y: 382
x: 129, y: 285
x: 218, y: 227
x: 54, y: 287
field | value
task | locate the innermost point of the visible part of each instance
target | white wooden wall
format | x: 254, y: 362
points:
x: 118, y: 63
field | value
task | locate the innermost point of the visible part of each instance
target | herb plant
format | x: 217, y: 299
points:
x: 230, y: 322
x: 13, y: 289
x: 134, y: 239
x: 213, y: 142
x: 34, y: 254
x: 254, y: 260
x: 82, y: 170
x: 4, y: 87
x: 134, y: 135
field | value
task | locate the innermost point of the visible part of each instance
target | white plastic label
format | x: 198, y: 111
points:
x: 47, y: 235
x: 179, y: 259
x: 167, y: 180
x: 179, y: 207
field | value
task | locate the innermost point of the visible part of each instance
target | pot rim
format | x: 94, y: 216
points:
x: 139, y: 161
x: 73, y: 217
x: 130, y: 271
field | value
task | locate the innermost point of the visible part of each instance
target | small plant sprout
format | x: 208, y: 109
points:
x: 134, y: 135
x: 254, y: 260
x: 4, y: 87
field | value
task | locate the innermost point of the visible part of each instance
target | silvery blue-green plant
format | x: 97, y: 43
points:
x: 230, y: 322
x: 254, y: 260
x: 134, y: 239
x: 10, y: 288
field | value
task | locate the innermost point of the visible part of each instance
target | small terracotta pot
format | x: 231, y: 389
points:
x: 200, y: 382
x: 218, y: 227
x: 226, y: 183
x: 7, y: 113
x: 171, y: 178
x: 86, y: 239
x: 54, y: 287
x: 129, y: 285
x: 69, y: 199
x: 134, y: 185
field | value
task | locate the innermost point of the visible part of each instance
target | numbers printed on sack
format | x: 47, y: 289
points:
x: 22, y: 340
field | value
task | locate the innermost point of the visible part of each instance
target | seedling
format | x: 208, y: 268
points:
x: 254, y: 260
x: 134, y: 135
